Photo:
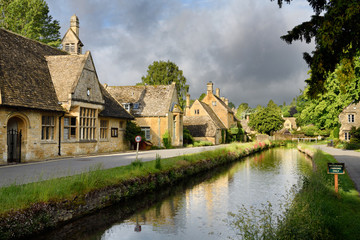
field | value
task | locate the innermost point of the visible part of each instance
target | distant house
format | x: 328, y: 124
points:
x: 290, y: 123
x: 203, y: 123
x: 155, y: 108
x: 348, y: 118
x: 220, y: 106
x: 51, y: 103
x: 209, y: 118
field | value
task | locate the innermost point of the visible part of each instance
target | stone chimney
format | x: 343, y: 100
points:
x: 217, y: 92
x: 187, y: 109
x: 222, y: 99
x: 227, y: 102
x: 209, y: 88
x: 74, y: 24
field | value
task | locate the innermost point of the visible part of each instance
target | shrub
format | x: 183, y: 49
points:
x: 188, y: 139
x: 158, y: 162
x: 166, y: 140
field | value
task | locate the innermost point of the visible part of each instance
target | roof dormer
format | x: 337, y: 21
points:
x: 71, y: 42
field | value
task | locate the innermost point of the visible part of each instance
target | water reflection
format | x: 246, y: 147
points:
x: 199, y: 211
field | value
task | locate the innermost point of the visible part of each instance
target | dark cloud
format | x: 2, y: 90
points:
x: 234, y: 44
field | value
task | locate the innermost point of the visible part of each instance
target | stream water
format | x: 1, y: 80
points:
x: 198, y: 208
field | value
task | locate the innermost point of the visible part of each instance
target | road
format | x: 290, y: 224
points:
x: 350, y: 158
x: 38, y: 171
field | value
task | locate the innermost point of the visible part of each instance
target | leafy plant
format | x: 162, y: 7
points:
x: 166, y: 138
x: 158, y: 162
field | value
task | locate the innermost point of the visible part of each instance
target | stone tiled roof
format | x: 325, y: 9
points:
x: 213, y: 116
x: 25, y: 80
x: 223, y: 104
x: 200, y: 126
x: 153, y: 100
x: 112, y: 108
x: 65, y: 72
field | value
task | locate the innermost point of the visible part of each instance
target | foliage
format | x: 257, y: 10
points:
x: 242, y: 109
x: 187, y: 138
x: 166, y: 138
x: 158, y: 162
x: 202, y: 143
x: 164, y: 73
x: 267, y: 120
x: 324, y: 111
x: 354, y: 142
x: 31, y: 19
x: 335, y: 29
x: 202, y: 96
x: 231, y: 105
x: 132, y: 130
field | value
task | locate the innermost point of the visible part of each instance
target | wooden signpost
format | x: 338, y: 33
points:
x: 336, y: 168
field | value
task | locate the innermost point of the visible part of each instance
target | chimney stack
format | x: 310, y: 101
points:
x: 210, y: 88
x: 227, y: 101
x: 217, y: 92
x: 187, y: 104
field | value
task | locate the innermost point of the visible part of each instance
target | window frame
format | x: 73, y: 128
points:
x: 104, y: 125
x: 71, y: 127
x: 351, y: 118
x: 87, y: 124
x: 147, y: 133
x: 47, y: 128
x: 114, y: 132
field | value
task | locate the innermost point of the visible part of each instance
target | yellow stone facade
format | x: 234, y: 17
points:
x: 348, y: 118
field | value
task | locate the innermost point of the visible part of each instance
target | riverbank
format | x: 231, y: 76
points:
x: 35, y: 207
x: 318, y: 212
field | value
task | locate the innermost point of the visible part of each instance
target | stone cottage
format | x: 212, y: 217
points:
x: 209, y: 118
x: 156, y: 110
x: 203, y: 123
x: 348, y: 118
x: 51, y: 103
x: 290, y: 123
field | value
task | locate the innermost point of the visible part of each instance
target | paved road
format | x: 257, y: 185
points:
x: 32, y: 172
x: 350, y: 158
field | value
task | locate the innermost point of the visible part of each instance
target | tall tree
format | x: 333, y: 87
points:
x: 31, y: 19
x: 165, y: 73
x: 266, y: 120
x: 241, y: 110
x: 335, y: 27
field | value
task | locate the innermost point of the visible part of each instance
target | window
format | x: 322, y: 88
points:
x: 47, y: 127
x: 127, y: 106
x: 72, y: 47
x: 136, y: 105
x: 121, y: 124
x: 214, y: 103
x: 146, y: 131
x: 351, y: 118
x: 174, y: 127
x: 114, y: 132
x: 78, y: 49
x: 69, y: 127
x: 87, y: 123
x: 67, y: 47
x: 347, y: 136
x: 103, y: 129
x: 197, y: 111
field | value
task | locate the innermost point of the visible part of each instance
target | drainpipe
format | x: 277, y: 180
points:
x: 59, y: 153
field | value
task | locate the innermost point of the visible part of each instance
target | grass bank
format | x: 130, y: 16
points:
x: 30, y: 208
x: 317, y: 212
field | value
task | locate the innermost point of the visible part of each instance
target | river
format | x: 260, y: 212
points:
x: 198, y: 208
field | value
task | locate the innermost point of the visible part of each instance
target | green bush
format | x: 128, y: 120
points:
x: 188, y: 139
x: 202, y: 143
x: 166, y: 140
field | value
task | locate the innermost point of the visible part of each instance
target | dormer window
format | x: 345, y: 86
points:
x: 67, y: 47
x: 72, y: 47
x: 136, y: 105
x: 127, y: 106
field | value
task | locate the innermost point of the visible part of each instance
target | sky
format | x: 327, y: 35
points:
x: 233, y: 43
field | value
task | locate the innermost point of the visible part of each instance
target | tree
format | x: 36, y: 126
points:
x: 267, y: 120
x: 202, y: 96
x: 336, y: 30
x: 231, y: 105
x: 132, y: 130
x: 164, y: 73
x: 241, y: 110
x: 31, y: 19
x: 324, y: 111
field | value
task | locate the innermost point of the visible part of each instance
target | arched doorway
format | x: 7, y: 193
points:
x: 15, y: 130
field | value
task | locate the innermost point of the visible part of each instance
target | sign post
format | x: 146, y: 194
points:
x: 137, y: 140
x: 336, y: 168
